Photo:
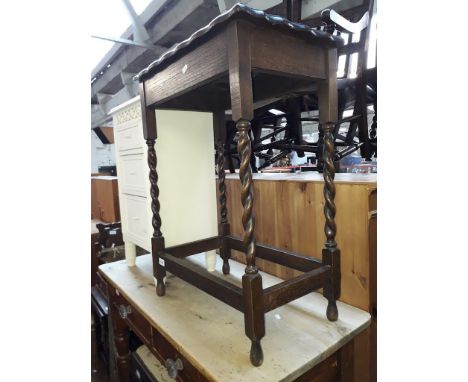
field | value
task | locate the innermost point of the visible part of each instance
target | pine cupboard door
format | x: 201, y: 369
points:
x: 105, y: 199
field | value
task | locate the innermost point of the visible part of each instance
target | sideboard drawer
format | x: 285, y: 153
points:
x: 132, y: 179
x: 140, y: 326
x: 130, y: 136
x: 165, y: 350
x: 137, y: 219
x: 128, y: 313
x: 101, y: 285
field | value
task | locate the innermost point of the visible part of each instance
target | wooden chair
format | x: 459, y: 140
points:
x: 241, y: 57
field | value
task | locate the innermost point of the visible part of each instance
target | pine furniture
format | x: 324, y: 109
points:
x: 195, y: 337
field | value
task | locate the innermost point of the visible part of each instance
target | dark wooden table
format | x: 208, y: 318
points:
x: 242, y: 57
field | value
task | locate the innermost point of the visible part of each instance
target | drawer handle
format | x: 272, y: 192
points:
x: 173, y: 367
x: 124, y: 311
x: 133, y: 173
x: 135, y: 218
x: 128, y: 136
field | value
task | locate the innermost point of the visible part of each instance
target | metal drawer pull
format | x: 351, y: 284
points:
x: 173, y: 367
x: 124, y: 311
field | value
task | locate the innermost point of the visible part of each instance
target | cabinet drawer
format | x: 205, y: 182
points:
x: 132, y: 177
x: 101, y: 285
x: 137, y: 219
x: 166, y: 350
x: 139, y: 372
x: 130, y: 136
x: 133, y: 318
x: 147, y: 368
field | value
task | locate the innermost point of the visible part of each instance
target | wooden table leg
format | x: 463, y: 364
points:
x: 121, y: 342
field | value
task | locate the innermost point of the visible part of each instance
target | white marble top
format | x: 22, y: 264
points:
x: 210, y: 334
x: 312, y: 176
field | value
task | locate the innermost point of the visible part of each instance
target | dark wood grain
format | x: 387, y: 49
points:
x: 185, y: 74
x: 278, y: 256
x: 209, y: 283
x: 159, y: 271
x: 237, y: 57
x: 254, y: 314
x: 287, y: 291
x: 346, y: 362
x: 238, y: 39
x: 291, y: 56
x: 163, y: 350
x: 148, y: 116
x: 194, y: 247
x: 219, y: 126
x: 121, y: 343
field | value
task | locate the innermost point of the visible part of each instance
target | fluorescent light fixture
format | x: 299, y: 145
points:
x: 276, y: 112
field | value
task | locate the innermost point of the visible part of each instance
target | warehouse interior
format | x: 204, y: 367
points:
x: 200, y: 212
x: 231, y: 218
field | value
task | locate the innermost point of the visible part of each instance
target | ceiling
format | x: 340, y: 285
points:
x: 161, y: 24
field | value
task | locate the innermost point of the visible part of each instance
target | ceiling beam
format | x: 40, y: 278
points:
x: 130, y: 54
x: 153, y: 8
x: 175, y: 21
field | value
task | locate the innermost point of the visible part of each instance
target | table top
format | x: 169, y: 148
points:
x: 312, y: 176
x: 210, y: 334
x: 240, y: 10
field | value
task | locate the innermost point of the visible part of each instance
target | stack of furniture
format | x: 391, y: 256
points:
x: 241, y: 57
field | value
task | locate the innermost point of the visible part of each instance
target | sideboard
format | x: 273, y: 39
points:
x: 196, y: 336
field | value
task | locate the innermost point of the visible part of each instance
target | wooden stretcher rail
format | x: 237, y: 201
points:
x: 217, y: 287
x: 277, y: 256
x: 195, y: 247
x: 287, y: 291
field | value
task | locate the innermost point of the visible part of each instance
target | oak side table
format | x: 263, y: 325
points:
x: 241, y: 57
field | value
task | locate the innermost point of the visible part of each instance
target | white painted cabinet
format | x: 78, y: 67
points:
x: 186, y: 171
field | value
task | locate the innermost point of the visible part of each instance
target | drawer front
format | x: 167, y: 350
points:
x: 132, y: 317
x: 132, y: 177
x: 137, y: 220
x: 139, y: 372
x: 130, y: 136
x: 140, y: 326
x: 165, y: 350
x: 101, y: 285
